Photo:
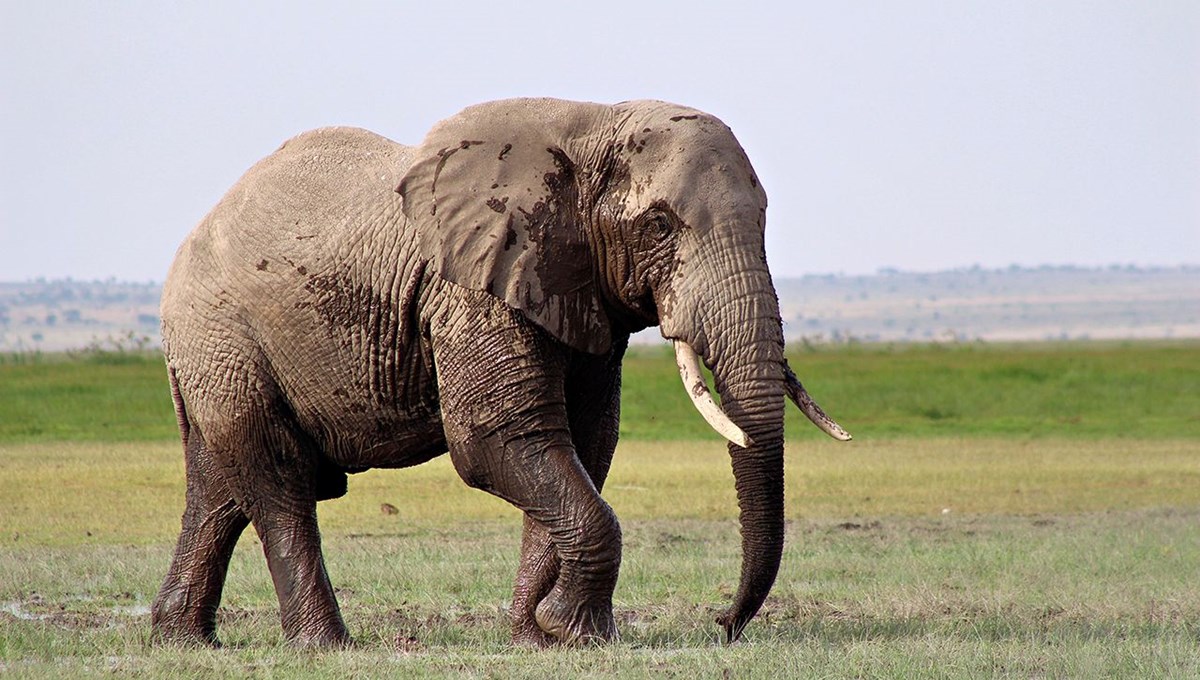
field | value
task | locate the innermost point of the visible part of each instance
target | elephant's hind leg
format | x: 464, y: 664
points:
x: 308, y: 609
x: 185, y: 609
x: 274, y: 475
x: 536, y: 574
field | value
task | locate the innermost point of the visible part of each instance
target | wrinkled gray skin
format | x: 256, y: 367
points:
x: 355, y: 303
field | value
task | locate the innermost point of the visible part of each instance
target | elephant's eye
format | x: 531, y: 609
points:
x: 660, y: 226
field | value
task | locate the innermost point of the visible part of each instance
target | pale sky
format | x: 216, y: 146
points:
x: 914, y: 135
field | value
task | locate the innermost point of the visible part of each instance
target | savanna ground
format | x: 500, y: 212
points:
x: 1021, y: 511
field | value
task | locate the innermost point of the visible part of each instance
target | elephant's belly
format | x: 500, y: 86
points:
x: 404, y: 450
x: 384, y: 441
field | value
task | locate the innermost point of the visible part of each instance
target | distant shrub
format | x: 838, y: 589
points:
x: 129, y: 348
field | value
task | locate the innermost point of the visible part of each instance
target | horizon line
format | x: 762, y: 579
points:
x: 879, y: 272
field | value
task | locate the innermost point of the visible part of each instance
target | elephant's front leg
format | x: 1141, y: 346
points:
x: 593, y: 407
x: 505, y: 416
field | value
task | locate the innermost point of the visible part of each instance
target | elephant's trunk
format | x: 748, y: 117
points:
x: 740, y: 337
x: 750, y: 382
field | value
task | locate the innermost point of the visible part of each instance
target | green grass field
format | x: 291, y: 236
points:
x: 1024, y: 511
x: 1139, y: 391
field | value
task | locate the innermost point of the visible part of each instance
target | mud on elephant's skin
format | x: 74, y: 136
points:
x: 355, y: 303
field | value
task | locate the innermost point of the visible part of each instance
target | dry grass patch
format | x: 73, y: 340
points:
x: 73, y: 493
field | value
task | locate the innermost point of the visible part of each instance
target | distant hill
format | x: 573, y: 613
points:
x: 1014, y: 304
x: 60, y: 315
x: 1046, y: 303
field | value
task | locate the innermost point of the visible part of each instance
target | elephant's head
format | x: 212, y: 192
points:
x: 601, y: 220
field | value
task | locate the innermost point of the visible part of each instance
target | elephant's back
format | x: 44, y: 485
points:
x: 332, y: 163
x: 249, y: 285
x: 313, y: 184
x: 301, y: 205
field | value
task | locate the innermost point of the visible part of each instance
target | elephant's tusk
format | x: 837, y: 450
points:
x: 799, y: 395
x: 693, y: 381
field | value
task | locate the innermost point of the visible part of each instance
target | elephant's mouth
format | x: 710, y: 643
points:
x: 634, y: 314
x: 697, y: 390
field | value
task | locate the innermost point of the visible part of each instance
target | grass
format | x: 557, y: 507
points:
x: 132, y: 494
x: 905, y: 558
x: 1003, y: 512
x: 895, y: 597
x: 1133, y: 390
x: 1093, y: 595
x: 98, y: 396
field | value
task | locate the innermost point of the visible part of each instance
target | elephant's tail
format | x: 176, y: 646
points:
x: 181, y: 418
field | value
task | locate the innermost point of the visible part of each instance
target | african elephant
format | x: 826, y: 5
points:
x: 354, y: 303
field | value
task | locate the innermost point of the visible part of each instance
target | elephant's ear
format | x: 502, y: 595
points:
x: 502, y: 215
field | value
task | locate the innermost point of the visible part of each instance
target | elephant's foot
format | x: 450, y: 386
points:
x: 183, y: 637
x: 172, y: 623
x: 166, y: 637
x: 576, y: 623
x: 322, y: 641
x: 529, y: 634
x: 329, y: 633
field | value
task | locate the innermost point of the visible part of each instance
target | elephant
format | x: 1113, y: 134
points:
x: 355, y: 303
